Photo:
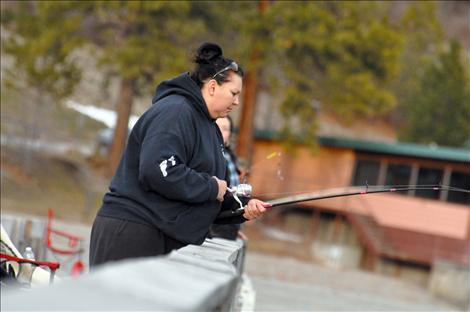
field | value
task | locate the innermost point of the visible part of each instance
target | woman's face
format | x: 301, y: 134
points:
x: 224, y: 126
x: 222, y: 99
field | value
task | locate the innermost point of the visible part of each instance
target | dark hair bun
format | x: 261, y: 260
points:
x: 207, y: 53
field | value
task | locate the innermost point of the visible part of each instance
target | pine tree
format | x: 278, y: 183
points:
x: 440, y: 109
x: 340, y: 54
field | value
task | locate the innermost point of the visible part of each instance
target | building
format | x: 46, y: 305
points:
x: 405, y: 234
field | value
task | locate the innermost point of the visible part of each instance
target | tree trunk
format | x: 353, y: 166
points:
x: 126, y: 94
x: 245, y: 135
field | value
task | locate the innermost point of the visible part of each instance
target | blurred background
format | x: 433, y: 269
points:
x: 337, y: 93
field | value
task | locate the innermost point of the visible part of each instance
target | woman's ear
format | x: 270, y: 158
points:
x: 211, y: 86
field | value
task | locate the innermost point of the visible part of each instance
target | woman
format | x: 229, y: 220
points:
x: 228, y: 231
x: 225, y: 125
x: 171, y: 181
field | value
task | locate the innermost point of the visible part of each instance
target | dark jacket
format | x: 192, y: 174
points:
x: 164, y: 178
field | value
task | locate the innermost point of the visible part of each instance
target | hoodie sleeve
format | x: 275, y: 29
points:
x: 162, y: 166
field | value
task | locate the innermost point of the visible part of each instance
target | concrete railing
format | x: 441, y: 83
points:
x: 194, y: 278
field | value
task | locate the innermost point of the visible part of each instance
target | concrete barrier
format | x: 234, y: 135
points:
x: 451, y: 281
x: 194, y: 278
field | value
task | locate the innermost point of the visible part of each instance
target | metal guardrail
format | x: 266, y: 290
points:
x: 194, y: 278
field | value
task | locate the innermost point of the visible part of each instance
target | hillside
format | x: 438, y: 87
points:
x: 32, y: 182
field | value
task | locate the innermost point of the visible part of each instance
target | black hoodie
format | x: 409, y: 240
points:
x: 164, y: 178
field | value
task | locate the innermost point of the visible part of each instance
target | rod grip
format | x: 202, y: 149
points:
x: 230, y: 213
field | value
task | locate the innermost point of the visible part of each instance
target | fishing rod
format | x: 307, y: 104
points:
x: 245, y: 190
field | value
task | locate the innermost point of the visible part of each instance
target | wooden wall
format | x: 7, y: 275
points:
x: 299, y: 172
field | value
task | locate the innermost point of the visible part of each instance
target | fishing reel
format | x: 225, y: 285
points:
x: 244, y: 190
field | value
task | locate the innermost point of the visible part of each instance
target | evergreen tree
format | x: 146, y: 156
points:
x: 341, y: 54
x: 345, y: 55
x: 439, y: 111
x: 41, y: 38
x: 423, y: 38
x: 141, y: 42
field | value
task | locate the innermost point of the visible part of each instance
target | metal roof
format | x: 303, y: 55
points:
x: 395, y: 148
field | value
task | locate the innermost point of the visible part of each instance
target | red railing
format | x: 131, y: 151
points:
x: 53, y: 266
x: 74, y: 244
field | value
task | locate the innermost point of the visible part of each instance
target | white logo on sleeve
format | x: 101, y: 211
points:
x: 166, y: 163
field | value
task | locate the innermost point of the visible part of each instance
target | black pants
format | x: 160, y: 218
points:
x: 115, y: 239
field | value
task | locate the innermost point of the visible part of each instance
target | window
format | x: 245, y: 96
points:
x: 429, y: 176
x: 460, y: 180
x: 366, y: 171
x: 398, y: 174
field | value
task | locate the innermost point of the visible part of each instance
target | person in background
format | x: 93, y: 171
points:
x: 228, y: 231
x: 171, y: 182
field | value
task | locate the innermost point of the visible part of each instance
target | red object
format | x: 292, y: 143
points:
x: 74, y: 242
x: 53, y: 266
x: 72, y: 239
x: 78, y: 268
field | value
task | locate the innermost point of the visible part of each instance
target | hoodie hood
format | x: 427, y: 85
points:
x: 185, y: 86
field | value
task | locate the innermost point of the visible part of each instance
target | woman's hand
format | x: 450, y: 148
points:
x: 222, y: 184
x: 255, y: 209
